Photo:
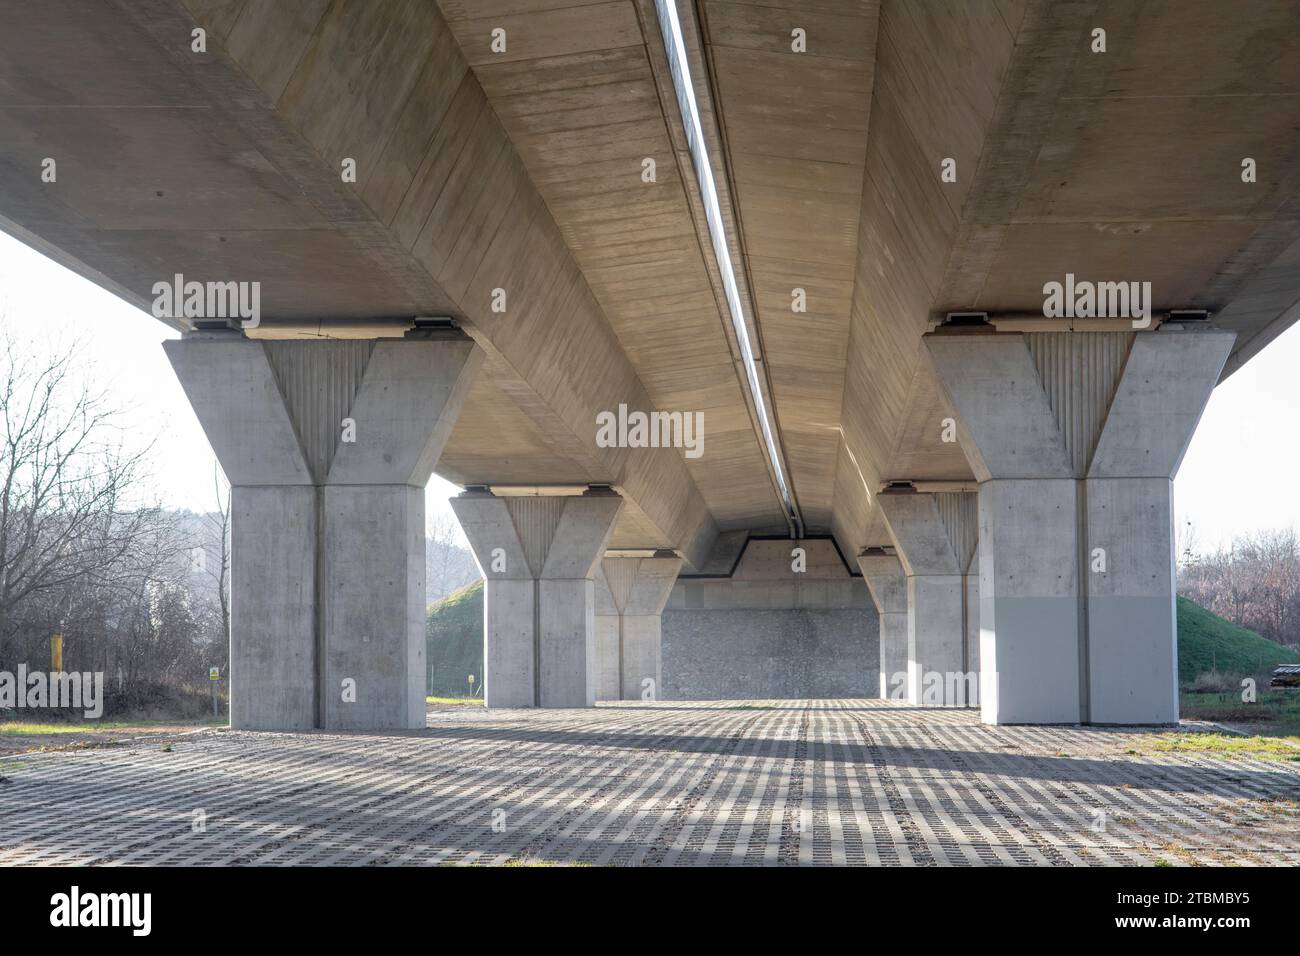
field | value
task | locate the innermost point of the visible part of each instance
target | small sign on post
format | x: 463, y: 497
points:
x: 214, y: 675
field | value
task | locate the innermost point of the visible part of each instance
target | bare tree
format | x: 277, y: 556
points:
x: 448, y: 565
x: 219, y: 526
x: 1255, y: 582
x: 65, y: 475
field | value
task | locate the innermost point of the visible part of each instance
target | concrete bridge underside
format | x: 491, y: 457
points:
x: 522, y: 168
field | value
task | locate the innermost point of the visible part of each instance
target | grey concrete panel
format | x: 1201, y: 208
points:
x: 582, y: 535
x: 887, y: 570
x: 233, y: 391
x: 724, y: 552
x: 373, y: 604
x: 888, y: 592
x: 893, y: 654
x: 1162, y: 393
x: 487, y: 525
x: 606, y: 605
x: 509, y: 645
x: 1133, y: 660
x: 918, y: 531
x: 1130, y: 521
x: 566, y: 642
x: 1132, y: 624
x: 318, y: 381
x: 607, y: 657
x: 1006, y: 426
x: 1028, y: 537
x: 272, y: 601
x: 1029, y: 602
x: 653, y: 583
x: 409, y: 399
x: 1029, y: 660
x: 642, y: 656
x: 935, y: 636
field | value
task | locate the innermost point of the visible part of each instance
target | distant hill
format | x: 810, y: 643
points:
x: 454, y: 642
x: 1207, y: 642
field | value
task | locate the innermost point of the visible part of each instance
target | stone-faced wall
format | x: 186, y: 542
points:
x: 768, y: 631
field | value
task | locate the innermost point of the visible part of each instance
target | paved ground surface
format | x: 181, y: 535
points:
x: 717, y: 783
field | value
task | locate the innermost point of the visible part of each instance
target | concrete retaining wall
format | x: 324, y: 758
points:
x: 767, y: 632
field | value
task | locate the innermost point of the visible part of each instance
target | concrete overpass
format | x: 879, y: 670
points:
x: 477, y: 228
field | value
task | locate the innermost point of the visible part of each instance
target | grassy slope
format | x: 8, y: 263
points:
x: 1207, y: 642
x: 454, y: 641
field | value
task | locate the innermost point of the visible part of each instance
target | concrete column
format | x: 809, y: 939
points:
x: 327, y: 446
x: 1075, y: 439
x: 887, y: 583
x: 538, y: 555
x: 630, y: 598
x: 934, y: 535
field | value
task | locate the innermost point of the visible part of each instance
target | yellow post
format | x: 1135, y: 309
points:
x: 56, y: 653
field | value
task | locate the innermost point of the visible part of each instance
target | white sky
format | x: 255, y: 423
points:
x: 1240, y: 473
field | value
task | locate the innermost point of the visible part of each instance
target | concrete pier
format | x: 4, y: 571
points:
x: 935, y: 537
x: 1075, y: 439
x: 630, y: 596
x: 887, y: 583
x: 327, y: 447
x: 538, y: 555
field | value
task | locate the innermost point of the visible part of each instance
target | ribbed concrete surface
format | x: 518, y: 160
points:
x: 1079, y: 374
x: 718, y: 783
x: 319, y: 381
